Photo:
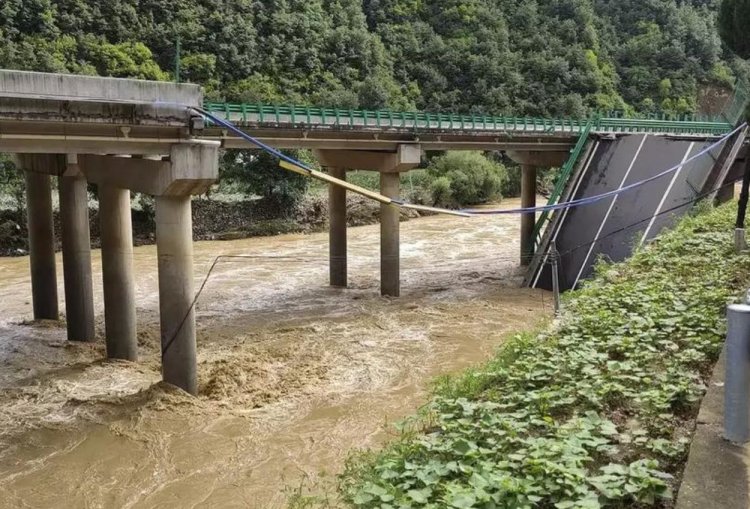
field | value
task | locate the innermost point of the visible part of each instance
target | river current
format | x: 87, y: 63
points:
x: 293, y: 374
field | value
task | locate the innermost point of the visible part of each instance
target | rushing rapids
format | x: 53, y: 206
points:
x: 293, y: 374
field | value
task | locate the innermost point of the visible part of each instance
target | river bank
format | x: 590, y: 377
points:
x: 597, y: 410
x: 293, y: 374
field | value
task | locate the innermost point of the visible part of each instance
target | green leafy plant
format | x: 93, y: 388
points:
x: 592, y: 412
x: 465, y: 178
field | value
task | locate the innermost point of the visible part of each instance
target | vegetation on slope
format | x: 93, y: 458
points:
x: 596, y: 412
x: 559, y: 57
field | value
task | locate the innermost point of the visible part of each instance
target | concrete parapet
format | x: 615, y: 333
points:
x: 69, y: 87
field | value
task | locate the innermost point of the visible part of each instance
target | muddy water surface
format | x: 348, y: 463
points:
x: 292, y: 374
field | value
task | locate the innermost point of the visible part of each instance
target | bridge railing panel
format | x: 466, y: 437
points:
x: 298, y: 116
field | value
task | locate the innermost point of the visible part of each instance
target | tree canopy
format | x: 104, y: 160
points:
x: 734, y: 17
x: 552, y: 57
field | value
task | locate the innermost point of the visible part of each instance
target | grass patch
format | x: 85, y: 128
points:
x: 596, y: 411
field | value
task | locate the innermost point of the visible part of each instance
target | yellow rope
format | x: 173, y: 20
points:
x: 365, y: 192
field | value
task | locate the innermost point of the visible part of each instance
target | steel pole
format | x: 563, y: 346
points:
x: 737, y: 382
x: 554, y: 255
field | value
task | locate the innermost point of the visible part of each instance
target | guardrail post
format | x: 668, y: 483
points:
x: 737, y: 381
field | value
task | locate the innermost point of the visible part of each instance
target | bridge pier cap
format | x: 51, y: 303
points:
x: 538, y: 159
x: 191, y: 169
x: 406, y: 157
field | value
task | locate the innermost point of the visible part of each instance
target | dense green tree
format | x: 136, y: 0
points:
x: 257, y: 173
x: 552, y: 57
x: 734, y: 23
x: 465, y: 178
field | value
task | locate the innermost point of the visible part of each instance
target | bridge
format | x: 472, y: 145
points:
x: 162, y: 140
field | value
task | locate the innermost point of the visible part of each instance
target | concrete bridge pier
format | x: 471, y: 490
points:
x: 530, y: 161
x: 174, y: 244
x: 337, y: 230
x: 117, y: 272
x: 390, y: 255
x: 528, y: 221
x: 190, y: 169
x: 390, y: 165
x: 76, y: 253
x: 37, y: 169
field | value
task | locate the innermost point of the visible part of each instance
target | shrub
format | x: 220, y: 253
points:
x: 471, y: 179
x: 416, y: 187
x: 258, y: 174
x: 440, y: 190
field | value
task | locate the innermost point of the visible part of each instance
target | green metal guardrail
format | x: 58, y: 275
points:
x: 632, y: 125
x: 562, y: 181
x: 304, y: 115
x: 736, y: 108
x: 264, y: 113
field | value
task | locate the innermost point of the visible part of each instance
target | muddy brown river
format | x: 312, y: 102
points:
x: 293, y: 374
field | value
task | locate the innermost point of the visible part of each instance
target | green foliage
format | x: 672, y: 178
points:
x: 440, y: 189
x: 12, y: 183
x: 593, y: 412
x: 367, y: 179
x: 465, y: 178
x: 525, y: 57
x: 734, y: 19
x: 123, y: 60
x: 258, y: 173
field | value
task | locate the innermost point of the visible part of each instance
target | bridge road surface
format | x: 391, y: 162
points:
x: 615, y: 164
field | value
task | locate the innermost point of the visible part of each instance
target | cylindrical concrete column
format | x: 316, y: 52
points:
x: 76, y: 248
x: 390, y: 284
x: 174, y: 243
x: 117, y: 272
x: 41, y: 245
x: 528, y: 200
x: 337, y: 229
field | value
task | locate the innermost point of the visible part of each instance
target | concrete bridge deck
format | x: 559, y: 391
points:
x: 52, y: 113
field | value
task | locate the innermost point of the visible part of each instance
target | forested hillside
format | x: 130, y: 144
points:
x: 540, y: 57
